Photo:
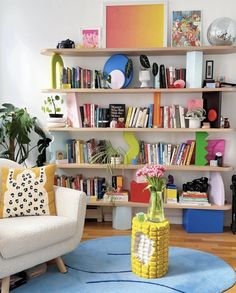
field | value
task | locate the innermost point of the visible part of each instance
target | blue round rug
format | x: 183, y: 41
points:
x: 103, y: 265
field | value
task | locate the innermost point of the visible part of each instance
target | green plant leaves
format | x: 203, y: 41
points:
x: 128, y: 68
x: 15, y: 133
x: 144, y: 61
x: 50, y: 104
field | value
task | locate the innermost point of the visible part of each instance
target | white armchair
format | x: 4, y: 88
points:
x: 29, y: 241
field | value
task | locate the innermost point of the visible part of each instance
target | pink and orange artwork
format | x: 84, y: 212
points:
x: 135, y: 25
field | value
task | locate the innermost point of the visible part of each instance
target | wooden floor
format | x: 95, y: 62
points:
x: 222, y: 245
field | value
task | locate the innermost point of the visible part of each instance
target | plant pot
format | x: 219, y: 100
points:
x: 194, y: 122
x: 144, y: 78
x: 56, y: 115
x: 115, y: 160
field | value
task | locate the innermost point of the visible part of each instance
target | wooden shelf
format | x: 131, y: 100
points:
x: 139, y: 90
x: 156, y: 130
x: 167, y: 206
x: 166, y: 51
x: 135, y: 167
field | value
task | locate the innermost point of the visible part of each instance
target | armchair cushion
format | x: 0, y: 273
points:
x: 23, y: 235
x: 27, y: 192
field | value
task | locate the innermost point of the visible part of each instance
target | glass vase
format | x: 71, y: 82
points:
x: 156, y: 209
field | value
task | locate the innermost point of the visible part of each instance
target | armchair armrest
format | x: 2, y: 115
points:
x: 70, y: 203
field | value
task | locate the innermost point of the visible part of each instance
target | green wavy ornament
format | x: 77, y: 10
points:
x: 201, y: 152
x: 133, y: 151
x: 56, y: 69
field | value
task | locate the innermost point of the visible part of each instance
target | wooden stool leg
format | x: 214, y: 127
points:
x: 60, y: 264
x: 5, y: 285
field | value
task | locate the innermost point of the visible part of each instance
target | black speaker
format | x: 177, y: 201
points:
x: 212, y: 105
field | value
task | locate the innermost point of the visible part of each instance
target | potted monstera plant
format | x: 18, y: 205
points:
x: 17, y: 130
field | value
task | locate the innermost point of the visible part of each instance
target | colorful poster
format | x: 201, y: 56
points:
x: 186, y: 28
x: 90, y: 37
x: 136, y: 25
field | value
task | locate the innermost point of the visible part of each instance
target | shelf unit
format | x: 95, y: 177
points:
x: 140, y: 90
x: 166, y: 206
x: 135, y: 167
x: 155, y: 130
x: 166, y: 51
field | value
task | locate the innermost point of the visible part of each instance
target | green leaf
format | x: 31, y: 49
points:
x: 57, y: 98
x: 128, y: 68
x: 58, y: 109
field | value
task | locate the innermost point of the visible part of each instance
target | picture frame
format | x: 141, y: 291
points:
x: 186, y: 28
x: 90, y: 37
x: 209, y: 69
x: 135, y: 23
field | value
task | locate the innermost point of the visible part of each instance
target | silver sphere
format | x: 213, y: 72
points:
x: 222, y: 32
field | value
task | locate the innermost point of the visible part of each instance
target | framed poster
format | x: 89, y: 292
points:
x: 90, y: 37
x: 209, y: 69
x: 135, y: 24
x: 186, y: 28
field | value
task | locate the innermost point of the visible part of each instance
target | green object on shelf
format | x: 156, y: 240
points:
x: 133, y: 143
x: 201, y: 152
x: 56, y: 67
x: 140, y: 216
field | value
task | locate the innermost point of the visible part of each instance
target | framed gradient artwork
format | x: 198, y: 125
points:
x: 134, y: 24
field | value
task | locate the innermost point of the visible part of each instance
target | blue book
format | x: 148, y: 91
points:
x: 150, y: 118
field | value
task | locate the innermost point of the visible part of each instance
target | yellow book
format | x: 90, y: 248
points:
x: 128, y: 117
x: 119, y: 183
x: 190, y: 154
x: 81, y: 152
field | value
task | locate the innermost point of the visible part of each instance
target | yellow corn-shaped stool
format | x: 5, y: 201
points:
x: 149, y: 248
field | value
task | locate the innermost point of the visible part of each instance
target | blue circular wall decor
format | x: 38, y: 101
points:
x: 118, y: 62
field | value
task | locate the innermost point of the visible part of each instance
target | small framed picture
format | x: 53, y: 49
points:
x: 209, y: 69
x: 90, y: 37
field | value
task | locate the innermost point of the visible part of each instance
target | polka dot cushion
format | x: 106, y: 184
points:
x: 27, y: 192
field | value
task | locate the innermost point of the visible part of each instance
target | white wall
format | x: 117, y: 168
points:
x: 27, y: 26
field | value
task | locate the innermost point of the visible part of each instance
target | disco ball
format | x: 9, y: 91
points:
x: 222, y: 32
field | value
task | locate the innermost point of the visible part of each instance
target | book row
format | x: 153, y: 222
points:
x: 91, y: 186
x: 77, y: 77
x: 91, y: 115
x: 79, y: 151
x: 166, y: 153
x: 168, y: 75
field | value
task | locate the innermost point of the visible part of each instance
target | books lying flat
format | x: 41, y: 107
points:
x: 56, y: 124
x: 195, y: 203
x: 116, y: 196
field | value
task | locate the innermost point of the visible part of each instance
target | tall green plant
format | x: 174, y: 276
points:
x: 16, y: 126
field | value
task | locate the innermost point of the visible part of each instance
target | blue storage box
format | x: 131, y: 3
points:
x: 203, y: 221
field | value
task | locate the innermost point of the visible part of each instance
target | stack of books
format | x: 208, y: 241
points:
x: 56, y: 122
x: 194, y: 198
x: 116, y: 196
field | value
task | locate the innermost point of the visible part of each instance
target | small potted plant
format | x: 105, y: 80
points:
x: 195, y: 117
x: 52, y: 105
x: 144, y: 73
x: 105, y: 153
